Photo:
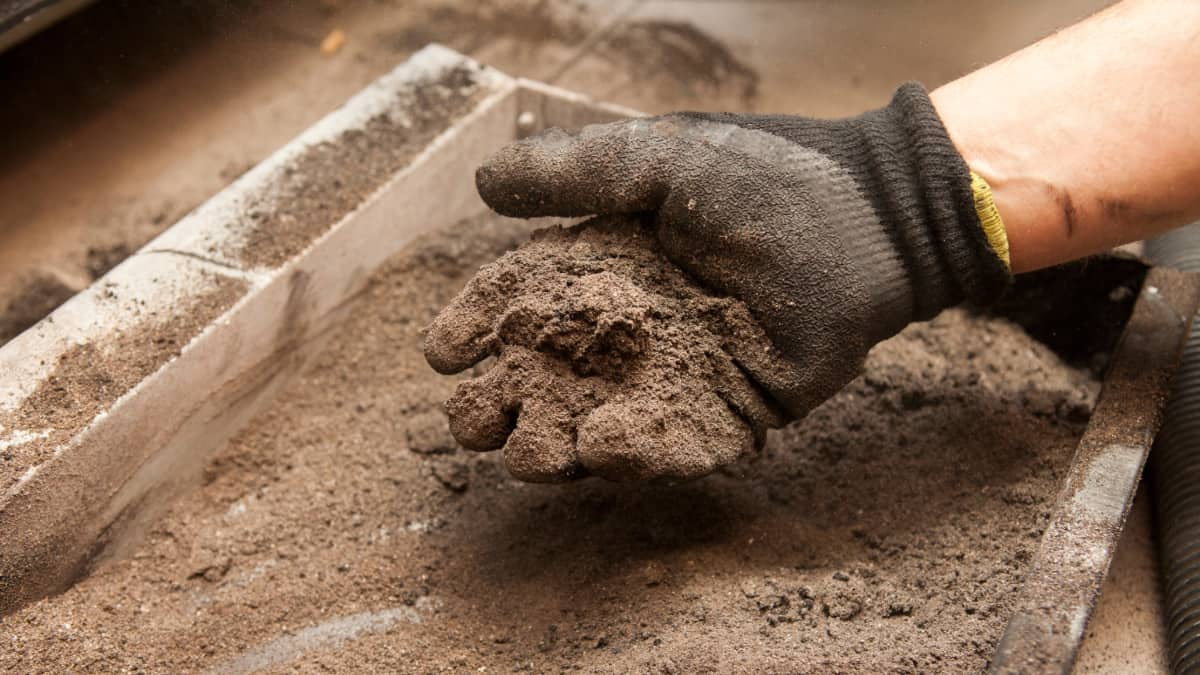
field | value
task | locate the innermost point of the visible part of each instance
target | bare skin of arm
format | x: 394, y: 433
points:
x: 1091, y: 137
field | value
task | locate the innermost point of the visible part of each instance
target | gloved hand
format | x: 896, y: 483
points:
x: 835, y: 233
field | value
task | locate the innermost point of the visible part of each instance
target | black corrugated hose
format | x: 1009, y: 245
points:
x: 1175, y: 473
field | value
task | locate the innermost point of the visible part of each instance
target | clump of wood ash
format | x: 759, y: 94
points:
x: 609, y: 360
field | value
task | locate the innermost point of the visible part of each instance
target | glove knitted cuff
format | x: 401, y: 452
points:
x: 904, y: 161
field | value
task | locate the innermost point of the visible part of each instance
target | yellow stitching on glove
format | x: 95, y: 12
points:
x: 989, y: 218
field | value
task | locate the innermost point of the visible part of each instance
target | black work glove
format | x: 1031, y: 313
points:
x: 835, y: 233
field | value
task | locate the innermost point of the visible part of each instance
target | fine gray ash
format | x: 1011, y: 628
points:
x: 610, y: 360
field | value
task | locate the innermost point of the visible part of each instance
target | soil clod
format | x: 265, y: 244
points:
x: 611, y: 361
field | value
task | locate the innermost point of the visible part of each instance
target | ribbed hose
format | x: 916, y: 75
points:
x: 1175, y: 473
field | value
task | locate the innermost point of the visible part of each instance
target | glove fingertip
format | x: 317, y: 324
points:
x: 540, y: 448
x: 453, y: 346
x: 603, y: 169
x: 478, y: 418
x: 494, y: 180
x: 519, y: 179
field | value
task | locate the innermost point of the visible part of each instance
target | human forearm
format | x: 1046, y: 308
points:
x: 1088, y: 138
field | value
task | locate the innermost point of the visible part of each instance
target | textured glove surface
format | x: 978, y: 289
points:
x: 835, y: 233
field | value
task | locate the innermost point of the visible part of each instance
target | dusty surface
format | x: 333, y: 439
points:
x: 610, y: 361
x: 89, y: 377
x: 307, y: 197
x: 1126, y: 633
x: 886, y: 532
x: 332, y: 178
